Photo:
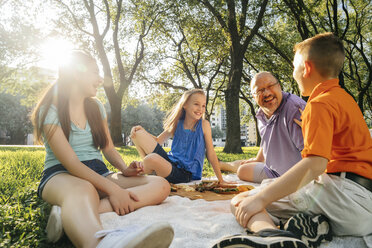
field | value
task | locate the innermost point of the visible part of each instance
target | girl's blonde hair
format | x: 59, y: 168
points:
x: 177, y: 112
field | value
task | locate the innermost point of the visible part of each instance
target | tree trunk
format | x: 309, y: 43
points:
x: 115, y: 124
x: 112, y: 96
x: 233, y: 142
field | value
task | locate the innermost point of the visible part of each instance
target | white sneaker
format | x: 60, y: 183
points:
x: 54, y: 226
x: 158, y: 235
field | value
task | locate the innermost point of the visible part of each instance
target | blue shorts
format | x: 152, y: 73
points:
x: 95, y: 164
x: 177, y: 175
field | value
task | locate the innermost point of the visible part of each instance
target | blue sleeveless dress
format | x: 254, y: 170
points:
x: 188, y: 149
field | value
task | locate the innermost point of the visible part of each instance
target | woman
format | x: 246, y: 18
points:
x: 73, y: 126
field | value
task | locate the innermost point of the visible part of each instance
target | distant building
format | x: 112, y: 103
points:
x: 247, y: 131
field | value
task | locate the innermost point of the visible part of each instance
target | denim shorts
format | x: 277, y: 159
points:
x: 177, y: 175
x: 95, y: 164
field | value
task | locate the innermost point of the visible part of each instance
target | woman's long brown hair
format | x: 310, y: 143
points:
x: 59, y: 92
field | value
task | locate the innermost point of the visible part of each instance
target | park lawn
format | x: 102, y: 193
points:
x: 23, y: 216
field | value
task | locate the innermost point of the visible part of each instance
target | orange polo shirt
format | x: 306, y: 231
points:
x: 334, y: 128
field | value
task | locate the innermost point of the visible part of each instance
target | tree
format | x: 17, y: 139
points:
x: 129, y: 19
x: 14, y: 118
x: 17, y: 45
x: 150, y: 118
x: 349, y: 20
x: 234, y: 20
x: 217, y: 132
x: 188, y: 54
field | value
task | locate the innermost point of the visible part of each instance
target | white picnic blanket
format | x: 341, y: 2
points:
x: 199, y: 223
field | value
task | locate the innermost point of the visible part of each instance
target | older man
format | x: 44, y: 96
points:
x: 281, y: 137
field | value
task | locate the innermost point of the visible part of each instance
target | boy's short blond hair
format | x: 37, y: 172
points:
x: 326, y: 51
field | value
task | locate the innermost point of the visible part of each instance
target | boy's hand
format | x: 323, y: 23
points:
x: 134, y: 169
x: 299, y: 122
x: 247, y: 208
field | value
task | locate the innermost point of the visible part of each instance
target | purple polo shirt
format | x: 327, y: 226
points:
x: 281, y: 137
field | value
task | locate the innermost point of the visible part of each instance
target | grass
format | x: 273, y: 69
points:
x: 23, y: 216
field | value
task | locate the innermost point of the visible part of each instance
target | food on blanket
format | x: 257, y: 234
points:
x: 186, y: 188
x: 221, y: 190
x: 173, y: 188
x: 206, y: 185
x: 243, y: 188
x: 213, y: 185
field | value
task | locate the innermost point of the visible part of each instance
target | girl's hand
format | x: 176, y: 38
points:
x: 134, y: 130
x: 122, y: 201
x: 134, y: 169
x: 223, y: 182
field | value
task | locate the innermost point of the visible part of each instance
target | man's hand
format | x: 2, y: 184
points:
x: 246, y: 208
x: 248, y: 161
x: 134, y: 169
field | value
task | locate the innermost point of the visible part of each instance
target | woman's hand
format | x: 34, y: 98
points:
x: 134, y: 169
x: 134, y: 130
x: 122, y: 200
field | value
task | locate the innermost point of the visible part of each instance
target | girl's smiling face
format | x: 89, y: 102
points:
x: 195, y: 106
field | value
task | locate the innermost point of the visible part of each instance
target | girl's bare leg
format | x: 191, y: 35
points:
x: 150, y: 190
x: 79, y: 202
x: 144, y: 142
x: 155, y: 162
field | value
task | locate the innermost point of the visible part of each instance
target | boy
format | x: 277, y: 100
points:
x: 334, y: 178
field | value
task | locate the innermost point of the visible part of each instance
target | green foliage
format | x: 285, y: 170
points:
x: 150, y: 118
x: 23, y: 216
x: 14, y: 118
x: 217, y: 132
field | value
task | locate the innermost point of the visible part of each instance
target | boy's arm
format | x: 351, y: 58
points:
x: 295, y: 127
x: 299, y: 175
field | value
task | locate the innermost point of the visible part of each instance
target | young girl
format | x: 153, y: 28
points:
x: 192, y: 136
x: 73, y: 125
